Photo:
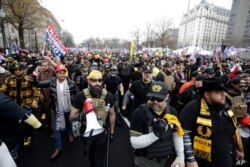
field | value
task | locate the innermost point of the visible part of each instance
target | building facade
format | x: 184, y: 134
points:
x: 34, y: 37
x: 238, y: 32
x: 203, y: 26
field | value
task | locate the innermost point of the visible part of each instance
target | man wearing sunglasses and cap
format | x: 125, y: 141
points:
x: 138, y: 90
x: 103, y: 104
x: 155, y: 132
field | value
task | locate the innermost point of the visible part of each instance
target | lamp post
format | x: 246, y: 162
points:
x: 2, y: 16
x: 36, y: 39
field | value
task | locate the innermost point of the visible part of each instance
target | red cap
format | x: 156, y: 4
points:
x: 245, y: 121
x: 60, y: 67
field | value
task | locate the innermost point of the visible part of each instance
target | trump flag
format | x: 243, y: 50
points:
x: 54, y: 42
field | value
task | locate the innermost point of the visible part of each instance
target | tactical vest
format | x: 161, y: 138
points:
x: 99, y: 104
x: 162, y: 147
x: 169, y: 80
x: 237, y: 101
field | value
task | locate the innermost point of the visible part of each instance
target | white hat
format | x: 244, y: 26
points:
x: 2, y: 70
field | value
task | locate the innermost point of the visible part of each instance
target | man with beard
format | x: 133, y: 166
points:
x: 46, y: 72
x: 167, y: 76
x: 139, y: 89
x: 104, y: 109
x: 155, y: 131
x: 210, y: 127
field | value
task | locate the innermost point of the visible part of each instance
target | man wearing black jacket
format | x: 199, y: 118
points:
x: 11, y: 117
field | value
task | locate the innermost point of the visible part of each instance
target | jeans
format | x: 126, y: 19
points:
x: 57, y: 133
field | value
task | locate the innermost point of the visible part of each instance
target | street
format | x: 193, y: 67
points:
x: 38, y: 154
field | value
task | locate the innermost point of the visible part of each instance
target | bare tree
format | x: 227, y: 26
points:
x: 106, y: 43
x: 137, y: 34
x: 23, y: 15
x: 67, y: 39
x: 163, y: 31
x: 149, y: 34
x: 89, y: 43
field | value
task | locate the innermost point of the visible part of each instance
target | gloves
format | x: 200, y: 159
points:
x: 33, y: 121
x: 159, y: 127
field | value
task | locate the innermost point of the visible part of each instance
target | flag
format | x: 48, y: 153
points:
x: 132, y: 50
x: 15, y: 48
x: 54, y: 42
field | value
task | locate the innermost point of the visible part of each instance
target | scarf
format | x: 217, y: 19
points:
x: 63, y: 103
x: 203, y: 138
x: 174, y: 120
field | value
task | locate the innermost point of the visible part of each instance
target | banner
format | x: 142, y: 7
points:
x: 54, y: 42
x: 132, y: 50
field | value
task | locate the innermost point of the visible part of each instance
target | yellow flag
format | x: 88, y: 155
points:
x: 132, y: 50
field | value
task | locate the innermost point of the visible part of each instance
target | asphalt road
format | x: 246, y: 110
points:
x: 38, y: 153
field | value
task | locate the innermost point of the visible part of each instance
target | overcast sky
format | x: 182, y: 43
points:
x: 117, y: 18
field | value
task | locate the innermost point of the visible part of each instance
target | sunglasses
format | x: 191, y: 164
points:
x: 156, y: 99
x: 96, y: 80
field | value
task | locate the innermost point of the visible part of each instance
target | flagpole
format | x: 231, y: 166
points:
x: 44, y: 42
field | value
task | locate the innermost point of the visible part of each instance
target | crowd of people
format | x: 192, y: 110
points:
x: 183, y: 111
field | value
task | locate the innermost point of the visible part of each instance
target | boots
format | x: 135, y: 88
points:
x: 55, y: 154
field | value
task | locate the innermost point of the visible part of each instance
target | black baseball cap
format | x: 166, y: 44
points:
x: 158, y: 89
x: 146, y: 68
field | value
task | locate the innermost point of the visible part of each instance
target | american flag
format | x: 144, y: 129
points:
x: 54, y: 42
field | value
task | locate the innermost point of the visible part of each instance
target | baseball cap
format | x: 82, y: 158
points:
x: 146, y: 68
x: 94, y: 74
x: 158, y: 89
x: 60, y: 67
